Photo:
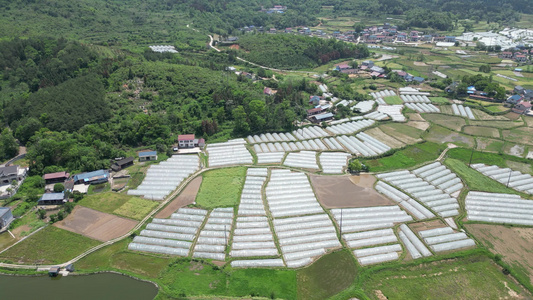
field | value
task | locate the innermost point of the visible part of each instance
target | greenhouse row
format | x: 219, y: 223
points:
x: 414, y: 208
x: 415, y: 99
x: 514, y: 179
x: 346, y: 120
x: 440, y: 176
x: 344, y: 102
x: 162, y: 179
x: 445, y: 239
x: 363, y: 146
x: 315, y: 144
x: 170, y: 236
x: 302, y: 239
x: 215, y: 235
x: 378, y: 116
x: 463, y: 111
x: 351, y: 127
x: 380, y: 101
x: 499, y: 208
x: 290, y: 194
x: 270, y: 158
x: 228, y: 154
x: 257, y: 263
x: 270, y: 137
x: 251, y: 203
x: 370, y: 238
x: 369, y: 218
x: 383, y: 94
x: 303, y: 159
x: 394, y: 112
x: 423, y: 107
x: 433, y: 197
x: 414, y: 246
x: 333, y: 162
x: 364, y: 106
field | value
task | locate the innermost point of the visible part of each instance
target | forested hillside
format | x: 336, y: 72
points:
x: 296, y: 52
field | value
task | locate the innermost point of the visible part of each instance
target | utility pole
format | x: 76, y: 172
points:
x: 341, y: 225
x: 509, y: 180
x: 471, y: 155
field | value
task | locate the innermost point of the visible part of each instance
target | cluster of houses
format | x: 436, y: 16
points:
x: 319, y: 113
x: 520, y: 56
x: 521, y: 100
x: 388, y: 33
x: 11, y: 178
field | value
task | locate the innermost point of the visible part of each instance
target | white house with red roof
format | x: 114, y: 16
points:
x: 189, y: 141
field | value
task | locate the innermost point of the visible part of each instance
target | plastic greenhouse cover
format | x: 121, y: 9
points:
x: 420, y: 208
x: 435, y: 232
x: 304, y: 232
x: 453, y: 245
x: 378, y: 258
x: 449, y: 213
x: 500, y: 220
x: 298, y: 263
x: 162, y: 242
x: 321, y: 217
x: 377, y: 250
x: 409, y: 246
x: 208, y: 255
x: 252, y: 238
x: 368, y: 234
x: 254, y: 252
x: 181, y: 216
x: 253, y: 245
x: 209, y: 248
x: 304, y: 254
x: 307, y: 239
x: 158, y: 249
x: 192, y: 211
x: 473, y: 207
x: 167, y: 235
x: 372, y: 241
x: 389, y: 208
x: 445, y: 238
x: 415, y: 212
x: 414, y: 240
x: 212, y: 240
x: 309, y: 246
x: 177, y: 222
x: 169, y: 228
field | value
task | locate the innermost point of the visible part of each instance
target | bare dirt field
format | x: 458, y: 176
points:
x: 186, y: 197
x: 422, y: 125
x: 387, y: 139
x: 94, y: 224
x: 347, y: 191
x: 420, y: 226
x: 513, y: 243
x: 414, y: 117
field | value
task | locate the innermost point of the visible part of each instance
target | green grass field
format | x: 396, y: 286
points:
x: 489, y: 145
x: 406, y: 158
x: 439, y: 100
x: 474, y: 179
x: 136, y: 208
x: 185, y: 278
x: 51, y: 245
x: 119, y: 204
x: 473, y: 277
x: 221, y: 187
x: 329, y: 275
x: 392, y: 100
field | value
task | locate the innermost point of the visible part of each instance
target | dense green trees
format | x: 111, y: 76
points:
x: 295, y: 52
x: 8, y: 145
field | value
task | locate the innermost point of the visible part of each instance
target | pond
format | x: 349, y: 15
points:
x: 86, y: 287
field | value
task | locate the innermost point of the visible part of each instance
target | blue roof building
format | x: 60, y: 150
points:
x: 418, y: 79
x: 147, y: 155
x: 92, y: 177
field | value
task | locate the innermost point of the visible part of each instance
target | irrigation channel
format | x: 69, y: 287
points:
x: 85, y: 287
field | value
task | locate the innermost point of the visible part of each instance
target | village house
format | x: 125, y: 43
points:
x: 6, y: 217
x: 56, y: 177
x: 506, y: 55
x: 520, y: 58
x: 341, y: 67
x: 189, y: 141
x: 449, y: 39
x: 11, y: 173
x: 122, y: 164
x: 322, y: 118
x: 52, y: 199
x: 513, y: 100
x: 147, y: 155
x: 314, y: 100
x: 522, y: 107
x: 268, y: 91
x: 93, y: 177
x: 315, y: 111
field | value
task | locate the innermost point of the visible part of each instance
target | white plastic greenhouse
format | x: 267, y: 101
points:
x: 232, y: 152
x: 414, y: 240
x: 517, y: 180
x: 499, y: 208
x: 333, y: 162
x: 215, y: 235
x: 364, y: 106
x: 350, y: 127
x: 165, y: 177
x: 394, y: 112
x: 303, y: 159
